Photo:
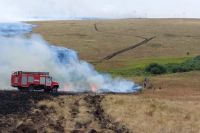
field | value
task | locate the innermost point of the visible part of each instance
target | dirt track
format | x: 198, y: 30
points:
x: 39, y: 112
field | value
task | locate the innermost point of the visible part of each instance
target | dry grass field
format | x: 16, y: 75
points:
x: 173, y: 103
x: 171, y: 106
x: 154, y: 115
x: 174, y: 38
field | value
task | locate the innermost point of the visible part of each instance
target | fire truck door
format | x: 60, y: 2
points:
x: 15, y: 80
x: 24, y: 80
x: 42, y: 80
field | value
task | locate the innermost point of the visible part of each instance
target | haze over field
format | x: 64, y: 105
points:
x: 23, y: 10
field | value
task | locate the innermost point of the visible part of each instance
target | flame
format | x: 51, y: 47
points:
x: 66, y: 87
x: 93, y: 88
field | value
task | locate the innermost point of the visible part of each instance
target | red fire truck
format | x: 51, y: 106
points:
x: 29, y: 81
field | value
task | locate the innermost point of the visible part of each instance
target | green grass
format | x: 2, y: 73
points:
x: 137, y: 67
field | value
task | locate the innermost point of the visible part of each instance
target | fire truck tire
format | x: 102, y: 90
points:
x: 55, y: 89
x: 20, y: 89
x: 31, y: 88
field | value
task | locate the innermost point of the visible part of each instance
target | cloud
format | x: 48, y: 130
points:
x: 12, y: 10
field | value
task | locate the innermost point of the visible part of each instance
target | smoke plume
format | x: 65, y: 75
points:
x: 33, y: 53
x: 11, y: 29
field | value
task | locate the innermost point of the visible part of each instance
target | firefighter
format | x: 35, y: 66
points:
x: 146, y: 83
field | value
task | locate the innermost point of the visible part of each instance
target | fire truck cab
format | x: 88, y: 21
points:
x: 29, y: 81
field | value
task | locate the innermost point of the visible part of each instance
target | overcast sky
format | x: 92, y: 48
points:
x: 70, y: 9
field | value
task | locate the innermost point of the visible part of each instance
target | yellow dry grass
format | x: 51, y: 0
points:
x: 152, y: 115
x: 73, y: 112
x: 172, y: 108
x: 61, y: 107
x: 174, y: 38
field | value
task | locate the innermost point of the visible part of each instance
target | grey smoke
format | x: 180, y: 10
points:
x: 33, y: 53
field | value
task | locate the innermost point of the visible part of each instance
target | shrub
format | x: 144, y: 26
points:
x: 179, y: 68
x: 197, y: 58
x: 189, y: 65
x: 155, y: 68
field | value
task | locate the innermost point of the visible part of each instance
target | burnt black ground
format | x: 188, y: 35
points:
x: 21, y: 102
x: 105, y: 121
x: 15, y: 102
x: 15, y: 106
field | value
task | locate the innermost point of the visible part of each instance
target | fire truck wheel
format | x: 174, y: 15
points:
x: 20, y: 89
x: 31, y: 88
x: 54, y: 89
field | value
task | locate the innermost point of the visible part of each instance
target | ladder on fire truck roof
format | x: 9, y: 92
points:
x: 38, y: 73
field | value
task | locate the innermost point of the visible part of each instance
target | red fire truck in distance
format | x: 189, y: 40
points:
x: 29, y: 81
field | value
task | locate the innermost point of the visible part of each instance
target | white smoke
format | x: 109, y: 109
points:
x: 17, y: 28
x: 33, y: 53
